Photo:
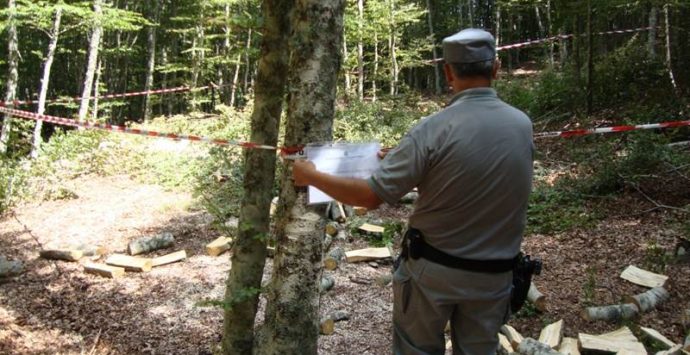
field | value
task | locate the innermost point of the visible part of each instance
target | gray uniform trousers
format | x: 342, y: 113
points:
x: 427, y: 295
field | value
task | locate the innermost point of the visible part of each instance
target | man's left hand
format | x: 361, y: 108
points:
x: 302, y: 170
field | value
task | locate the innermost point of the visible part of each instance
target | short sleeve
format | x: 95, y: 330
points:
x: 401, y: 170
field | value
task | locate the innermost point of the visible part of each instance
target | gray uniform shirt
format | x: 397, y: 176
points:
x: 472, y: 164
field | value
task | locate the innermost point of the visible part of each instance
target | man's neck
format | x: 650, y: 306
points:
x: 462, y: 85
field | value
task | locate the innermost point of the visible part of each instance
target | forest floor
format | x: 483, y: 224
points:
x: 54, y: 307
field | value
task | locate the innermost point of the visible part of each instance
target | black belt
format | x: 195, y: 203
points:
x: 415, y: 247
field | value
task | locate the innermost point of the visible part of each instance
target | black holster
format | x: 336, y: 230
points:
x: 523, y: 271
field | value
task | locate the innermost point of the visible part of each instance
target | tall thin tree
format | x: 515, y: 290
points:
x: 292, y: 323
x: 92, y: 62
x: 249, y: 252
x: 13, y: 72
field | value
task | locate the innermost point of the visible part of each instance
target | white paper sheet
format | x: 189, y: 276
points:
x: 352, y: 160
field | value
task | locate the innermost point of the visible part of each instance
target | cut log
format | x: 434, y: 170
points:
x: 359, y: 211
x: 10, y: 268
x: 371, y: 228
x: 333, y: 259
x: 170, y: 258
x: 327, y: 326
x: 131, y: 263
x: 677, y: 349
x: 409, y: 197
x: 648, y: 300
x: 349, y: 210
x: 339, y: 315
x: 504, y: 346
x: 658, y: 337
x: 90, y: 250
x: 569, y: 346
x: 536, y: 297
x: 611, y: 313
x: 552, y: 334
x: 643, y: 277
x: 327, y: 283
x: 150, y: 243
x: 513, y: 336
x: 61, y: 254
x: 621, y: 340
x: 336, y: 212
x: 104, y: 270
x: 332, y: 228
x: 529, y: 346
x: 218, y: 246
x: 367, y: 254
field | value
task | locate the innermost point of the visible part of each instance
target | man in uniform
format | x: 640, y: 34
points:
x: 472, y: 165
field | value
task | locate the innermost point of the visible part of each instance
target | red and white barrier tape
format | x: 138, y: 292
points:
x: 16, y: 103
x: 556, y: 38
x: 141, y: 132
x: 584, y: 132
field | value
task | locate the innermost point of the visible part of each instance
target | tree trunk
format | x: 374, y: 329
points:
x: 235, y: 81
x: 498, y: 37
x: 375, y: 73
x: 151, y: 65
x: 434, y: 50
x: 96, y: 85
x: 360, y: 49
x: 45, y: 81
x: 292, y: 311
x: 669, y: 62
x: 249, y: 254
x: 651, y: 39
x: 247, y: 67
x: 13, y: 73
x: 393, y: 45
x: 590, y: 59
x: 92, y: 61
x: 348, y: 79
x: 550, y: 26
x: 470, y: 12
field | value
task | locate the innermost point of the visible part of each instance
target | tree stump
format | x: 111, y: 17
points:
x: 150, y: 243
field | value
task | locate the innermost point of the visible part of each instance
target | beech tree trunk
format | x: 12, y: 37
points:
x: 669, y: 58
x: 92, y: 62
x: 13, y: 73
x: 651, y: 39
x: 360, y: 49
x: 249, y: 252
x: 392, y: 46
x: 375, y: 73
x: 292, y: 312
x: 247, y: 67
x: 45, y: 81
x: 151, y: 64
x: 434, y: 50
x: 348, y: 80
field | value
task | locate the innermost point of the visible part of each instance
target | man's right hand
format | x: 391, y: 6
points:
x: 383, y: 152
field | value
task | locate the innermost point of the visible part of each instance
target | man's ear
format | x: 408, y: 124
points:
x: 497, y: 67
x: 450, y: 77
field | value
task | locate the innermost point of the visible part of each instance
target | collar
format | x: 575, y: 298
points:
x: 473, y: 93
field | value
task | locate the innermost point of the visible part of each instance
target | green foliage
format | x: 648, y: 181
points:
x: 385, y: 121
x: 589, y: 288
x: 656, y: 258
x: 558, y: 208
x: 528, y: 310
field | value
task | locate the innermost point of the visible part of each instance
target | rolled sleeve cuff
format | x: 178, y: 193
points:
x: 381, y: 192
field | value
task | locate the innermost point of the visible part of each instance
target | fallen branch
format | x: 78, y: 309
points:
x: 61, y: 254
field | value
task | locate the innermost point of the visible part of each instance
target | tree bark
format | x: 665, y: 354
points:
x: 651, y: 39
x: 92, y: 62
x: 434, y: 51
x: 590, y: 59
x: 235, y: 81
x: 393, y: 45
x: 249, y: 254
x: 292, y: 311
x: 375, y: 73
x: 247, y: 63
x: 151, y: 63
x: 348, y: 79
x: 669, y: 58
x: 13, y: 73
x: 45, y: 80
x: 360, y: 49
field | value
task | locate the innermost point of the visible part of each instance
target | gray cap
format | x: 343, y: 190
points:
x: 469, y: 46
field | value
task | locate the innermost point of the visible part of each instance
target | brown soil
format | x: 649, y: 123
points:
x: 54, y: 307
